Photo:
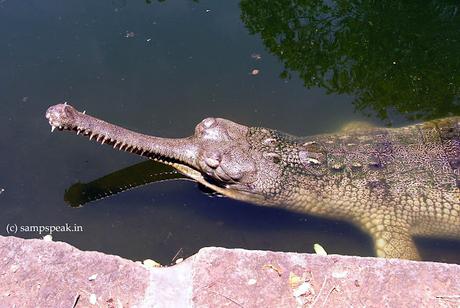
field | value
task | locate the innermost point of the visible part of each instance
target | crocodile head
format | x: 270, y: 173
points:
x: 232, y: 159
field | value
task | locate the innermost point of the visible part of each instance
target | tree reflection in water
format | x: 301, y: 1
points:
x: 391, y: 55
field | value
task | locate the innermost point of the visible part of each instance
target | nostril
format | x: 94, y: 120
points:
x: 204, y: 125
x: 211, y: 162
x: 213, y: 159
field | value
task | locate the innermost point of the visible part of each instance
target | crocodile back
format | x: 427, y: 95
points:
x: 392, y: 161
x: 408, y: 174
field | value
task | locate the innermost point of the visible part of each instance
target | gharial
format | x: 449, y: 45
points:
x: 393, y: 183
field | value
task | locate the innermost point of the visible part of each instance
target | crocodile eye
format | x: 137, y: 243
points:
x: 276, y: 158
x: 270, y: 141
x: 310, y: 159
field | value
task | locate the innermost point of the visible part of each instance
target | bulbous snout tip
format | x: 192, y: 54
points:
x: 60, y: 115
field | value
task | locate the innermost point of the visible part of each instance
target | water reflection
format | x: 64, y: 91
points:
x: 392, y: 56
x: 146, y: 172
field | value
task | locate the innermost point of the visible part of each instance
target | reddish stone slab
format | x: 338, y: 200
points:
x: 35, y: 273
x: 241, y: 278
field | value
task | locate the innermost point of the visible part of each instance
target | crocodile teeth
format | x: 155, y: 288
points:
x: 78, y: 131
x: 53, y: 128
x: 116, y: 143
x: 91, y: 137
x: 103, y: 140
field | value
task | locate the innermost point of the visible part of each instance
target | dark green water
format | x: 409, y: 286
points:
x: 162, y: 67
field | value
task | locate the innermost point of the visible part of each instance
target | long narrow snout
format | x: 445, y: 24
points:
x: 66, y: 117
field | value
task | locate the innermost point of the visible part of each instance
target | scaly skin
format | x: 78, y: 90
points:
x: 393, y: 183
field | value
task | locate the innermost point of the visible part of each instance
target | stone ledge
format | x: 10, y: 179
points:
x: 35, y: 273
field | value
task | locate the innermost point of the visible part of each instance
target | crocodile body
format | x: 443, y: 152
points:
x: 393, y: 183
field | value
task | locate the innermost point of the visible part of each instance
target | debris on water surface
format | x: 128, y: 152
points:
x: 176, y: 255
x: 255, y: 72
x: 319, y: 250
x: 129, y: 34
x: 256, y: 56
